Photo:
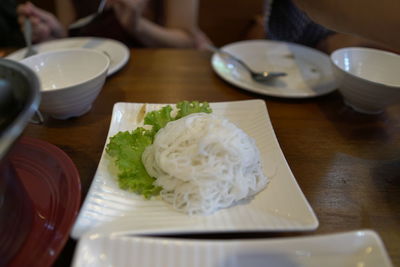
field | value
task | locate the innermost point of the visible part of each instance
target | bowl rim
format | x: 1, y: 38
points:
x: 86, y: 50
x: 354, y: 48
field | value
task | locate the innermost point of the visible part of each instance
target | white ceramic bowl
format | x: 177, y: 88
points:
x: 70, y: 79
x: 368, y: 79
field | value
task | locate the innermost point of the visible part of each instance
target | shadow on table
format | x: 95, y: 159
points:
x: 364, y: 136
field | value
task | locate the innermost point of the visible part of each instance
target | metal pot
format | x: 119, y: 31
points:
x: 19, y: 99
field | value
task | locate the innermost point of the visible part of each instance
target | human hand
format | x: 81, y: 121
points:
x: 201, y: 41
x: 45, y: 25
x: 128, y: 13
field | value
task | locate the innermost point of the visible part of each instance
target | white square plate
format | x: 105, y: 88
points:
x: 358, y: 248
x: 281, y: 206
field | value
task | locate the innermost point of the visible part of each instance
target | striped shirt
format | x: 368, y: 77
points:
x: 285, y: 22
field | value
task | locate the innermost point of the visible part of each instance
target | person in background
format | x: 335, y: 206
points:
x: 284, y: 21
x: 10, y: 34
x: 137, y: 23
x: 375, y: 20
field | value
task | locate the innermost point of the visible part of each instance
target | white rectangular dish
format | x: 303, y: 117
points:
x: 358, y: 248
x: 281, y: 206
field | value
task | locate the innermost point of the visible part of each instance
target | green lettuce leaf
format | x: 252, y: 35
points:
x: 158, y: 118
x: 126, y: 148
x: 185, y: 108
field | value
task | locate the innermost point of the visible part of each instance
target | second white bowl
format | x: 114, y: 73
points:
x: 368, y: 79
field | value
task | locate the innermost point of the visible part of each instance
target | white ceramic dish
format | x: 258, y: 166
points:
x: 309, y: 70
x: 116, y: 51
x: 66, y: 89
x: 281, y: 206
x: 367, y: 78
x: 358, y: 248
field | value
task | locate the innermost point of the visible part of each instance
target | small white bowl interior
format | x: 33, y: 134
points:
x: 369, y: 64
x: 71, y: 79
x: 65, y: 68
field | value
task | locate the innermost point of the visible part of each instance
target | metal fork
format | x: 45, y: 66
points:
x: 262, y: 76
x: 30, y: 51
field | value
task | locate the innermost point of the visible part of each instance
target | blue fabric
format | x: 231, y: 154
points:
x: 288, y: 23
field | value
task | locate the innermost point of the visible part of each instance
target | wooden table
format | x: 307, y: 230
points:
x: 346, y: 163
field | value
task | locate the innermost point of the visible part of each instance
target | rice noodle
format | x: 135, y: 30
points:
x: 204, y: 163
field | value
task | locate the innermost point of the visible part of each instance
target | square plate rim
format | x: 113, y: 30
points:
x: 312, y: 225
x: 365, y: 236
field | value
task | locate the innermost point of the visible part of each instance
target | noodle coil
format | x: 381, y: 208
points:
x: 204, y: 163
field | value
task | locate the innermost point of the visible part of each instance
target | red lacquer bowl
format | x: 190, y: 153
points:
x: 52, y: 184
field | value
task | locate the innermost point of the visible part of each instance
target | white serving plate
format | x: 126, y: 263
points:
x: 115, y: 50
x: 358, y: 248
x: 281, y: 206
x: 309, y: 71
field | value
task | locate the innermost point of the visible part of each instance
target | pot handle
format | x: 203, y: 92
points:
x: 37, y: 118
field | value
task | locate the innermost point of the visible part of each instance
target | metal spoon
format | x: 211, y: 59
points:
x: 30, y: 51
x: 262, y: 76
x: 86, y: 20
